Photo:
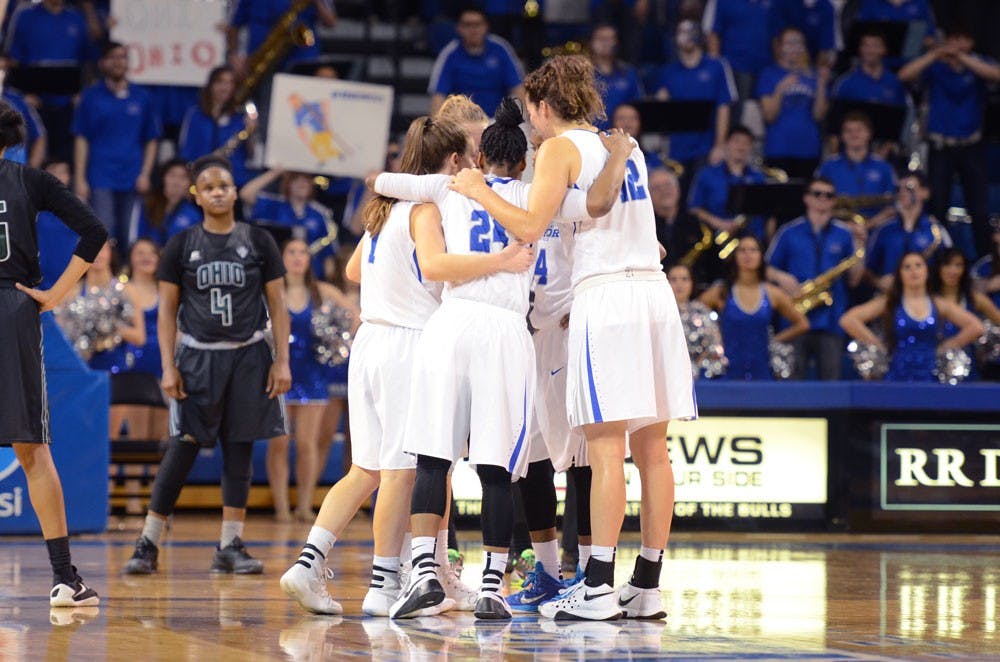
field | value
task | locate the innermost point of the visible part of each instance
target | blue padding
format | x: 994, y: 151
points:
x: 78, y: 406
x: 850, y: 395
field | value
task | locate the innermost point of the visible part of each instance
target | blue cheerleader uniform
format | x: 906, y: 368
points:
x: 310, y: 379
x: 146, y: 359
x: 915, y: 354
x: 746, y: 338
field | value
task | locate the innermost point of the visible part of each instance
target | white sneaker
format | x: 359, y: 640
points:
x: 584, y: 603
x: 308, y: 587
x: 465, y: 598
x: 636, y: 602
x: 76, y: 594
x: 423, y: 592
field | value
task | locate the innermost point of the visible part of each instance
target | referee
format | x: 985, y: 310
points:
x: 24, y: 415
x: 218, y: 280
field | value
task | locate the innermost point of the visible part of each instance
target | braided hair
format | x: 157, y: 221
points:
x: 504, y: 143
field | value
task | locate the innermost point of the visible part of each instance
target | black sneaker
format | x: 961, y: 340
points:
x: 492, y: 607
x: 143, y: 561
x: 424, y: 591
x: 73, y: 594
x: 233, y: 558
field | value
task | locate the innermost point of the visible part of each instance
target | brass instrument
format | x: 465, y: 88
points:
x: 938, y: 238
x: 568, y: 48
x: 287, y: 32
x: 775, y: 175
x: 850, y: 203
x: 726, y: 240
x: 227, y: 148
x: 816, y: 292
x: 323, y: 242
x: 695, y: 252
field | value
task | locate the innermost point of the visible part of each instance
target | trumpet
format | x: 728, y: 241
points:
x: 691, y: 257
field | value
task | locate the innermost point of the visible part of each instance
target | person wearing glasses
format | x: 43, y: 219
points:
x: 911, y: 229
x: 479, y: 64
x: 802, y: 250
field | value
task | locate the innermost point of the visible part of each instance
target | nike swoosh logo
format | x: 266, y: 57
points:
x: 593, y: 596
x: 555, y: 371
x: 623, y: 603
x: 532, y: 600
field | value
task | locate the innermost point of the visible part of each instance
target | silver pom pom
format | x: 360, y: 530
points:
x: 332, y: 334
x: 871, y: 362
x: 704, y: 340
x: 953, y: 365
x: 782, y: 359
x: 988, y: 345
x: 90, y: 321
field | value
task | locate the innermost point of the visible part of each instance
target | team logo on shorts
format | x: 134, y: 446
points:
x: 8, y: 462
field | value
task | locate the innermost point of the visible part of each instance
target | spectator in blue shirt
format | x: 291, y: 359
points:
x: 910, y: 230
x: 478, y: 64
x: 167, y: 208
x: 817, y: 20
x: 740, y: 31
x: 710, y: 191
x: 627, y: 119
x: 857, y: 172
x: 793, y: 100
x: 696, y: 76
x: 56, y: 241
x: 869, y: 80
x: 293, y: 207
x: 116, y: 132
x: 619, y: 81
x: 215, y: 124
x: 956, y: 80
x: 32, y: 150
x: 171, y: 103
x: 259, y: 17
x: 51, y: 33
x: 802, y: 250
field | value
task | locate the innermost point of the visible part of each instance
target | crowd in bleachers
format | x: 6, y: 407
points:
x: 883, y: 111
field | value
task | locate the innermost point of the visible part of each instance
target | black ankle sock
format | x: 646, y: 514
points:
x: 62, y: 565
x: 646, y: 573
x: 600, y: 572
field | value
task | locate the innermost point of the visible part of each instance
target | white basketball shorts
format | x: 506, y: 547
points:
x: 551, y: 436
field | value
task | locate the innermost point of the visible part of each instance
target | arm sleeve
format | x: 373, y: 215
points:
x: 273, y: 266
x: 48, y: 194
x: 419, y: 188
x: 169, y: 269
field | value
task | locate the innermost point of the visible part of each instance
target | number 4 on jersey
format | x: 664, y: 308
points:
x: 541, y: 268
x: 222, y: 305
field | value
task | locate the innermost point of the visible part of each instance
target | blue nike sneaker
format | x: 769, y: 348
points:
x: 538, y: 587
x: 581, y: 574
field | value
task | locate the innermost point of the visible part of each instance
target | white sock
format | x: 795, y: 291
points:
x: 153, y: 528
x: 404, y: 550
x: 385, y: 571
x: 601, y: 553
x: 322, y: 540
x: 231, y: 529
x: 441, y: 551
x: 651, y: 555
x: 496, y: 563
x: 547, y: 553
x: 584, y: 556
x: 423, y: 555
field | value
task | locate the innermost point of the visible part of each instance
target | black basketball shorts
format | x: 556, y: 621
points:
x: 226, y: 396
x: 24, y: 408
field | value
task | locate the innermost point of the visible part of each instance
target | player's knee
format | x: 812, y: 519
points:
x: 430, y: 491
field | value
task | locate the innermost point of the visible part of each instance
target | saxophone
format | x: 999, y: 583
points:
x: 816, y: 292
x: 689, y: 258
x: 227, y: 148
x: 287, y: 32
x: 726, y: 240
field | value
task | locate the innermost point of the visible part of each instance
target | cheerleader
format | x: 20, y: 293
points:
x: 145, y: 368
x: 951, y: 281
x: 166, y: 209
x: 102, y: 281
x: 912, y: 323
x: 746, y: 302
x: 307, y: 397
x: 701, y: 330
x: 396, y: 302
x: 620, y: 300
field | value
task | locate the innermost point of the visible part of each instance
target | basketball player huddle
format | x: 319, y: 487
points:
x: 444, y: 366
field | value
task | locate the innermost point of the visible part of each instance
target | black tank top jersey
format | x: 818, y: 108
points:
x: 24, y: 192
x: 222, y: 279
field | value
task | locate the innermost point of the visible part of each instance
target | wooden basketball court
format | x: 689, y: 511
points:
x: 748, y: 596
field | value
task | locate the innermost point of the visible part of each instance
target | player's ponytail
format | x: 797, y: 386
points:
x: 11, y: 126
x: 427, y: 147
x: 504, y: 143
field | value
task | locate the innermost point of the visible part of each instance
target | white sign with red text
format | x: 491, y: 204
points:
x: 170, y: 43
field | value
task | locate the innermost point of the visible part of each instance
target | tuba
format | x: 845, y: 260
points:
x: 286, y: 33
x: 816, y: 291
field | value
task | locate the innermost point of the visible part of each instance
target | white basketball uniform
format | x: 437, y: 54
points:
x: 628, y: 358
x: 395, y: 306
x: 550, y: 433
x: 474, y: 379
